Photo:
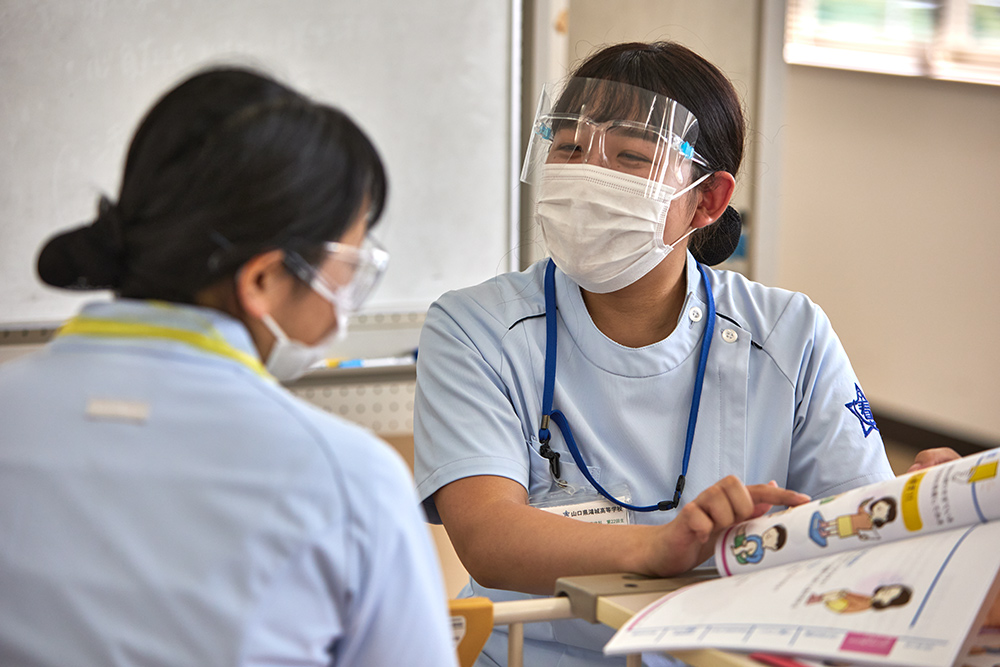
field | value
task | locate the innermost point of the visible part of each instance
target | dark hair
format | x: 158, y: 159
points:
x: 889, y: 516
x: 782, y: 536
x: 228, y: 164
x: 681, y: 74
x: 905, y: 593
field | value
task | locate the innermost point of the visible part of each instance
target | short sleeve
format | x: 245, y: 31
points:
x: 399, y: 616
x: 465, y: 422
x: 365, y: 590
x: 836, y: 444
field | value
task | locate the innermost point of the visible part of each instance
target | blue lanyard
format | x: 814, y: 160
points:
x: 560, y: 419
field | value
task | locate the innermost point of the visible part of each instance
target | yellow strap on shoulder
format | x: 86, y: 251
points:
x: 85, y: 326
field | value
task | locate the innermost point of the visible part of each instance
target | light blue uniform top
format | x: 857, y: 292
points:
x: 165, y: 504
x: 780, y: 402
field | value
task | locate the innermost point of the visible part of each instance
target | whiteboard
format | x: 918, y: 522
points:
x: 433, y: 82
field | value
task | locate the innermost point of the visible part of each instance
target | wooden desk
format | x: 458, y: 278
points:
x: 615, y: 598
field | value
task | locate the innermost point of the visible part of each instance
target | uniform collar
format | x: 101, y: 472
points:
x: 163, y: 323
x: 655, y: 359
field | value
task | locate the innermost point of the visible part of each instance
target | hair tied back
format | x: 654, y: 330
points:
x: 716, y: 243
x: 89, y: 257
x: 109, y: 225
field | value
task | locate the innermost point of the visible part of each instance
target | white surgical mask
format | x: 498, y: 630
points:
x: 290, y: 359
x: 604, y: 228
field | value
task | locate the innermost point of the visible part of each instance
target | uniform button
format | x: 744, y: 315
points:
x: 729, y: 336
x: 695, y: 314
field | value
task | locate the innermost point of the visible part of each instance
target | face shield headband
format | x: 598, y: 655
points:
x: 615, y: 126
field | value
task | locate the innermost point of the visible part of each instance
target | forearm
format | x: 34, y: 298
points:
x: 505, y: 543
x: 525, y: 549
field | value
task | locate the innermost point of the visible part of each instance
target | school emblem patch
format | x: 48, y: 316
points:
x: 859, y: 408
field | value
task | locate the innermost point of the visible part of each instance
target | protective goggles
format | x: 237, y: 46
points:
x: 613, y: 125
x: 346, y: 275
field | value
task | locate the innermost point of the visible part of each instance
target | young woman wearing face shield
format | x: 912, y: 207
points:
x: 163, y: 500
x: 613, y: 408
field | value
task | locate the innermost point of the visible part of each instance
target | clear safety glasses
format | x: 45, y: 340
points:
x: 616, y: 126
x: 347, y: 275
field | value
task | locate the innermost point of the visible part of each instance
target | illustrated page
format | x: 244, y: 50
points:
x: 959, y: 493
x: 908, y: 602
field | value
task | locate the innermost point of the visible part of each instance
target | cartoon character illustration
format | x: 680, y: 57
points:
x: 750, y: 548
x: 977, y: 473
x: 862, y: 523
x: 844, y: 601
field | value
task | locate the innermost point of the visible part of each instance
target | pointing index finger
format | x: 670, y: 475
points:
x: 774, y: 495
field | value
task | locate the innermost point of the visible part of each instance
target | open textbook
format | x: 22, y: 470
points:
x: 901, y: 572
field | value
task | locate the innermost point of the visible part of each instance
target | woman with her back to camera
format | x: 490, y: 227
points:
x: 163, y: 500
x: 623, y: 382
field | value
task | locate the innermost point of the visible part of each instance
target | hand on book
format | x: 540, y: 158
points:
x: 933, y: 457
x: 690, y: 537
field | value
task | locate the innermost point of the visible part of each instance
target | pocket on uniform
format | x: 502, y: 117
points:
x: 540, y: 475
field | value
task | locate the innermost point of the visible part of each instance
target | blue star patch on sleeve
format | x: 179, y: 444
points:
x: 859, y: 408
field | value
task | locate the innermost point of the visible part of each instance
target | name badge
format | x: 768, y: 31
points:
x: 585, y: 506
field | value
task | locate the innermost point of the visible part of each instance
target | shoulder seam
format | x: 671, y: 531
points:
x: 777, y: 320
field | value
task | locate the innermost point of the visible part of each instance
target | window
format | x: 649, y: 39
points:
x: 944, y: 39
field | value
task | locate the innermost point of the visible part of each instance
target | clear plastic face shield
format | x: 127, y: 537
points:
x: 616, y: 126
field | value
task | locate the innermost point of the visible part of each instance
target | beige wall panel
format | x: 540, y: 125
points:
x: 890, y: 221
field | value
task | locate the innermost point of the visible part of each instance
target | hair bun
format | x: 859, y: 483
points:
x: 716, y: 243
x: 88, y: 257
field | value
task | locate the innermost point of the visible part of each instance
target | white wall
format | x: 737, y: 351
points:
x: 432, y: 82
x: 890, y: 221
